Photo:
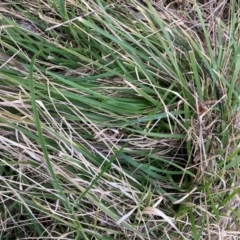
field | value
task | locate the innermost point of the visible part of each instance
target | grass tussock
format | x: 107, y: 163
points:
x: 119, y: 120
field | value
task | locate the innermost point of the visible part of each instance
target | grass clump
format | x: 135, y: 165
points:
x: 119, y: 120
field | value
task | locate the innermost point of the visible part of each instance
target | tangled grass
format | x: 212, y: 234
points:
x: 119, y: 119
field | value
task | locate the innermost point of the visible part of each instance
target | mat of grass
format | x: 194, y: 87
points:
x: 119, y: 120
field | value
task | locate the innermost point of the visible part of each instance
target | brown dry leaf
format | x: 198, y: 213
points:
x: 201, y: 109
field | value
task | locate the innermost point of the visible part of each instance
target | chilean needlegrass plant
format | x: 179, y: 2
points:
x: 119, y: 120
